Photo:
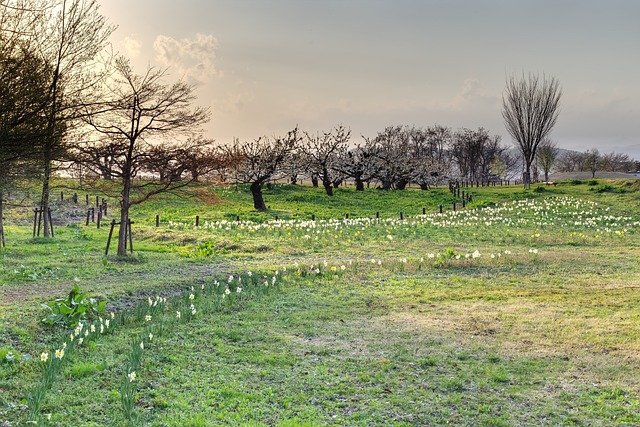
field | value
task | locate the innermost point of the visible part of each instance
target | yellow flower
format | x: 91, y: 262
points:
x: 44, y: 357
x: 132, y: 376
x: 60, y: 353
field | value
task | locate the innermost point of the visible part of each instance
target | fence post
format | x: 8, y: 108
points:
x: 440, y: 208
x: 454, y: 206
x: 88, y: 216
x: 401, y: 216
x: 157, y: 220
x: 113, y: 224
x: 197, y: 220
x: 35, y: 220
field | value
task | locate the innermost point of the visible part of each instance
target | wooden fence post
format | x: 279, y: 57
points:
x: 113, y: 224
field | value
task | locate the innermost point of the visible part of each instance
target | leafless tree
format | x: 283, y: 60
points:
x: 569, y: 161
x: 71, y: 34
x: 475, y: 152
x: 142, y: 108
x: 591, y: 161
x: 391, y: 150
x: 357, y: 164
x: 261, y: 160
x: 616, y: 162
x: 323, y: 151
x: 546, y: 156
x: 295, y: 166
x: 530, y: 108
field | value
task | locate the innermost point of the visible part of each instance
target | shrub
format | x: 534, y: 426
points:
x: 71, y: 310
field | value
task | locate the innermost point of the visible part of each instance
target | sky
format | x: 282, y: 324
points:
x: 265, y: 66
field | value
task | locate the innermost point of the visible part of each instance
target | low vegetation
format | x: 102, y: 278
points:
x: 521, y: 309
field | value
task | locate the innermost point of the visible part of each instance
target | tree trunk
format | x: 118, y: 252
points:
x: 328, y: 187
x: 546, y: 176
x: 2, y: 243
x: 124, y: 217
x: 424, y: 186
x: 526, y: 177
x: 258, y: 200
x: 336, y: 183
x: 359, y: 184
x: 314, y: 180
x: 401, y: 185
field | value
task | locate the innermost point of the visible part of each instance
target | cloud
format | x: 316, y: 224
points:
x: 472, y: 97
x: 132, y: 47
x: 192, y: 58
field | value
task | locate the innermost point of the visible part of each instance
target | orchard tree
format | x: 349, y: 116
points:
x: 323, y: 152
x: 530, y: 108
x: 261, y: 160
x: 141, y: 110
x: 356, y: 163
x: 391, y: 157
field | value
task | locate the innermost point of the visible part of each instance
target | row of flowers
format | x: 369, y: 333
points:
x: 565, y: 212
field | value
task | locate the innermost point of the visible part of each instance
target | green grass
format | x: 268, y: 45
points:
x: 540, y: 328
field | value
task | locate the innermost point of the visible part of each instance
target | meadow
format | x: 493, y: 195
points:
x: 521, y: 309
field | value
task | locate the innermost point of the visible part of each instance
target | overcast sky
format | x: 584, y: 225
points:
x: 264, y: 66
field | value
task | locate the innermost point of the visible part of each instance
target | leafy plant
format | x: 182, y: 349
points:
x: 71, y: 310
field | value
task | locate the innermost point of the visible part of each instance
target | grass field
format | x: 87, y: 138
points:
x: 522, y: 309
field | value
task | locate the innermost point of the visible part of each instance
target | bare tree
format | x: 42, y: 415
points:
x: 475, y: 152
x: 323, y: 152
x: 71, y: 35
x: 591, y: 161
x: 530, y: 109
x: 356, y: 163
x: 546, y: 156
x: 391, y: 151
x: 260, y: 161
x: 141, y: 108
x: 569, y: 161
x: 616, y: 162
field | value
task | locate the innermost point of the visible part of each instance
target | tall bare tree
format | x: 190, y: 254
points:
x: 546, y: 156
x: 530, y: 108
x: 72, y: 34
x: 142, y: 110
